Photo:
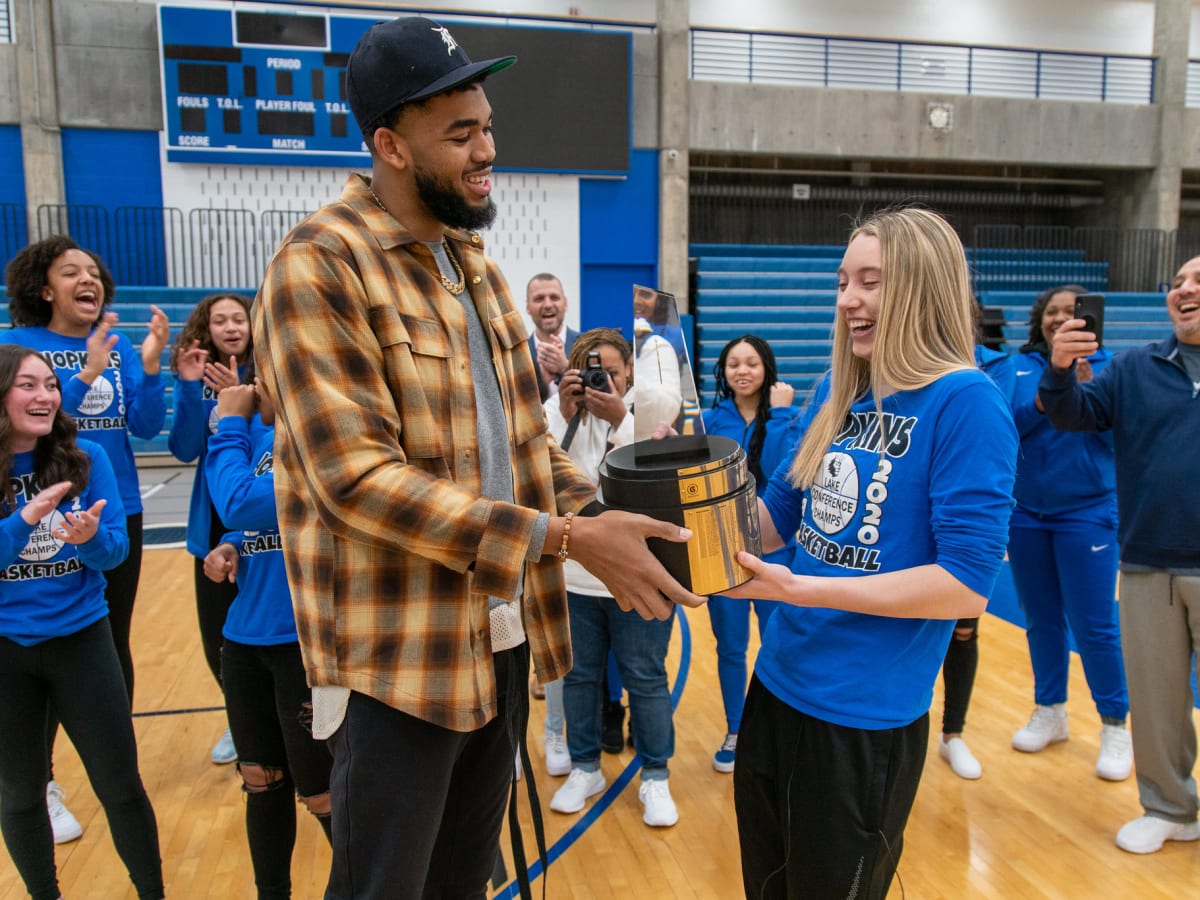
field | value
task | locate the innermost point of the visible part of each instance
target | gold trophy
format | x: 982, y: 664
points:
x: 686, y: 477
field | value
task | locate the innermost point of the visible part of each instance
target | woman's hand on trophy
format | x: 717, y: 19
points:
x: 771, y: 581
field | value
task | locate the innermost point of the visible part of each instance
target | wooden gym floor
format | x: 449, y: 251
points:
x: 1037, y: 825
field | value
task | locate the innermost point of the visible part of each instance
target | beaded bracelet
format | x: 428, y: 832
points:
x: 562, y: 551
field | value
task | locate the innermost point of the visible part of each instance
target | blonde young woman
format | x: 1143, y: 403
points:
x: 901, y: 489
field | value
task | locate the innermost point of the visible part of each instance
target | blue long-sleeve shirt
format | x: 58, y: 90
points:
x: 936, y: 490
x: 998, y: 366
x: 123, y: 399
x: 240, y: 472
x: 1057, y: 471
x: 50, y: 588
x: 193, y: 423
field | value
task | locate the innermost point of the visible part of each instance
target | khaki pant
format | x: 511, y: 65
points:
x: 1160, y: 629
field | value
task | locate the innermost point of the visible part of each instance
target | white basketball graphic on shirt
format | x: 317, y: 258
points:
x: 213, y: 419
x: 98, y: 398
x: 834, y: 494
x: 43, y: 543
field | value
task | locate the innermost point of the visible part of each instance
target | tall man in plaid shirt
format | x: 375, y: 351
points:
x: 424, y: 510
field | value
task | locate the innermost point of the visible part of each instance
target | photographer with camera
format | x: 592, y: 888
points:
x: 592, y: 414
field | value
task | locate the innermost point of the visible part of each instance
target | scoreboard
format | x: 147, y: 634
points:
x: 252, y: 86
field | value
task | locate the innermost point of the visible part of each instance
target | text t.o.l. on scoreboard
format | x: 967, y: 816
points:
x: 245, y: 86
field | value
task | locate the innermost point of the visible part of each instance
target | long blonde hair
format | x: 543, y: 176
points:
x: 924, y: 328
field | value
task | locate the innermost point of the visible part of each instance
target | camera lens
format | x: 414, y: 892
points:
x: 596, y: 379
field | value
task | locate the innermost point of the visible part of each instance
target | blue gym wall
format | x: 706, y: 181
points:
x: 12, y: 191
x: 111, y: 168
x: 618, y: 242
x: 618, y: 217
x: 12, y: 165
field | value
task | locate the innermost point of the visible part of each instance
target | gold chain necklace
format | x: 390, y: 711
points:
x: 454, y: 288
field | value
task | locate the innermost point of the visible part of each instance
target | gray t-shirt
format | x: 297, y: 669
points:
x: 1189, y: 355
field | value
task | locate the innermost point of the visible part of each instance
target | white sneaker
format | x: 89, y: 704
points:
x: 223, y: 752
x: 956, y: 752
x: 658, y: 808
x: 1149, y: 833
x: 1046, y: 726
x: 558, y: 760
x: 571, y: 797
x: 65, y: 826
x: 1116, y: 753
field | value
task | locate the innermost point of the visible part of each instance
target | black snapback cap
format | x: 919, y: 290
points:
x: 404, y: 60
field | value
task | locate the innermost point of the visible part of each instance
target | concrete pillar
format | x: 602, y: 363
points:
x: 41, y: 139
x: 1156, y: 194
x: 673, y: 117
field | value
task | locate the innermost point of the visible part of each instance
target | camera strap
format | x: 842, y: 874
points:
x: 572, y: 427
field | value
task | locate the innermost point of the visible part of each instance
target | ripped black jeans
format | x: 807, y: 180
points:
x: 269, y: 705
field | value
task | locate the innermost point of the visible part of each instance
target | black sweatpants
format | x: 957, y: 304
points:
x: 821, y: 808
x: 79, y: 677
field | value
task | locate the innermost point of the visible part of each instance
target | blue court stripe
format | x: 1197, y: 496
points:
x: 576, y: 831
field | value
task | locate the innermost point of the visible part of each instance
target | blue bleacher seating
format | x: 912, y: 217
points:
x: 787, y: 295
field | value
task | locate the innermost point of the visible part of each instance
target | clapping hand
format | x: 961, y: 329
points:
x: 156, y: 340
x: 217, y: 376
x: 191, y: 362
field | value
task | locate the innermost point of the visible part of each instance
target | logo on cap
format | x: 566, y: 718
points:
x: 451, y: 44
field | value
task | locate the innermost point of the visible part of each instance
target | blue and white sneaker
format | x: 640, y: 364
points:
x: 723, y: 758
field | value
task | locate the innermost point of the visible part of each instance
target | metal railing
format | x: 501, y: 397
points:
x: 1137, y: 259
x: 820, y: 61
x: 231, y: 248
x: 152, y: 245
x: 1193, y: 83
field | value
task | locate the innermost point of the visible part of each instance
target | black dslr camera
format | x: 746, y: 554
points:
x: 593, y: 375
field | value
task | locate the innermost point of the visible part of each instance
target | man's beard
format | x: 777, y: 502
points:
x: 449, y: 206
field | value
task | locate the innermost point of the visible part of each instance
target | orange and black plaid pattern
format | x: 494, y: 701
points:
x: 391, y: 553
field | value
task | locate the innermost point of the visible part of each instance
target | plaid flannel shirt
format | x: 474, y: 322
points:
x: 391, y: 552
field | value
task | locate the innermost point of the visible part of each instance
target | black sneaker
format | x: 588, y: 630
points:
x: 612, y: 739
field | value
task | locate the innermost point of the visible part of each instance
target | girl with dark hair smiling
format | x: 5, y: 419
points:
x: 62, y: 526
x: 754, y: 408
x: 60, y: 299
x: 1063, y: 551
x: 213, y: 352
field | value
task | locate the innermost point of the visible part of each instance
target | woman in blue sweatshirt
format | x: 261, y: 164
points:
x: 754, y: 408
x: 901, y: 490
x: 63, y: 525
x: 59, y: 303
x: 267, y: 698
x: 211, y: 353
x: 1063, y: 551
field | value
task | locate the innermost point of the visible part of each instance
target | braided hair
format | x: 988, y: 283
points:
x: 763, y: 412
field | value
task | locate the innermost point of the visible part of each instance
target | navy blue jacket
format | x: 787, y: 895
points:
x: 1147, y: 400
